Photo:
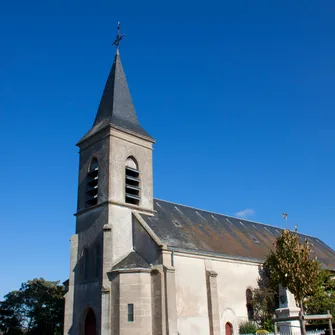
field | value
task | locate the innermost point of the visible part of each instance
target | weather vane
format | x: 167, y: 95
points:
x: 119, y: 36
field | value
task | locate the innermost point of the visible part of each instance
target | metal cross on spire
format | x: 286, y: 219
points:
x: 119, y: 37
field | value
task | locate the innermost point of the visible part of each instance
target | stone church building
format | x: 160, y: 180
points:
x: 143, y: 266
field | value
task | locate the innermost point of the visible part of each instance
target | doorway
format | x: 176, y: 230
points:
x: 90, y: 323
x: 229, y: 328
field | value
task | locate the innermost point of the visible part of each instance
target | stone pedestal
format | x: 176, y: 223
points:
x: 288, y: 307
x: 289, y: 327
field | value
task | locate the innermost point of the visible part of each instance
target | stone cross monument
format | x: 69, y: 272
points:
x: 288, y: 307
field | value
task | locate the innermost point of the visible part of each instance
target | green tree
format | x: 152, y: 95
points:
x: 291, y: 264
x: 322, y: 298
x: 11, y: 316
x: 37, y: 308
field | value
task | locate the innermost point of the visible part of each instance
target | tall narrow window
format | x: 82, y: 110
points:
x: 250, y: 308
x: 92, y: 183
x: 132, y: 182
x: 130, y: 312
x: 85, y: 264
x: 97, y: 261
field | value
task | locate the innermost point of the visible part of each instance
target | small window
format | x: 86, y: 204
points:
x: 255, y: 239
x: 132, y: 182
x: 130, y: 312
x: 92, y: 183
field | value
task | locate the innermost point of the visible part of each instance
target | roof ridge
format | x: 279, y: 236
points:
x: 234, y: 217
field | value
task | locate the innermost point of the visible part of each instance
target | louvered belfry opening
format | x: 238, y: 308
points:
x: 92, y: 183
x: 132, y: 182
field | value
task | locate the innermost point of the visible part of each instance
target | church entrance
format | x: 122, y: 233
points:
x: 229, y: 328
x: 90, y: 323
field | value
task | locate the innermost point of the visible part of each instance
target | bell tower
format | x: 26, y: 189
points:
x: 121, y: 150
x: 115, y: 179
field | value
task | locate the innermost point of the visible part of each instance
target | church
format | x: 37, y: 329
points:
x: 143, y: 266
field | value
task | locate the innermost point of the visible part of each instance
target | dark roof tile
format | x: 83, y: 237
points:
x: 206, y: 232
x: 132, y: 261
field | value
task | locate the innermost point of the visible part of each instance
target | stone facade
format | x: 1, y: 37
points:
x: 211, y: 292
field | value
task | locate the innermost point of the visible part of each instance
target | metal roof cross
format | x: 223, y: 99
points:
x: 119, y: 36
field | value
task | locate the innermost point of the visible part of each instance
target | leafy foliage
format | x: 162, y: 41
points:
x: 37, y: 308
x: 11, y: 316
x: 247, y: 327
x: 322, y: 298
x: 292, y: 266
x: 264, y: 300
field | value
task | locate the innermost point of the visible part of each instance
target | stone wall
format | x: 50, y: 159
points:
x: 196, y: 297
x: 132, y: 288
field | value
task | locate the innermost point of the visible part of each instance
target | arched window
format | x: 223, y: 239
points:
x: 132, y: 182
x: 84, y: 262
x: 92, y: 183
x: 250, y: 308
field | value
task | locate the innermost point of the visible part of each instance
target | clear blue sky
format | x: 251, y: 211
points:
x: 238, y: 94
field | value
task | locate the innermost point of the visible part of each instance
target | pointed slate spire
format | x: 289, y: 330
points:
x: 116, y: 107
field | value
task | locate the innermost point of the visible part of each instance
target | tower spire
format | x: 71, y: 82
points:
x: 116, y: 106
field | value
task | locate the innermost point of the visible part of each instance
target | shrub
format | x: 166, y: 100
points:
x: 268, y: 325
x: 247, y: 327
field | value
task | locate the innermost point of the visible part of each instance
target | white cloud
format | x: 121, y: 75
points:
x: 245, y: 213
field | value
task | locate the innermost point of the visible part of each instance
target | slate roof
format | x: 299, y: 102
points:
x: 132, y: 261
x: 189, y: 229
x: 116, y: 106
